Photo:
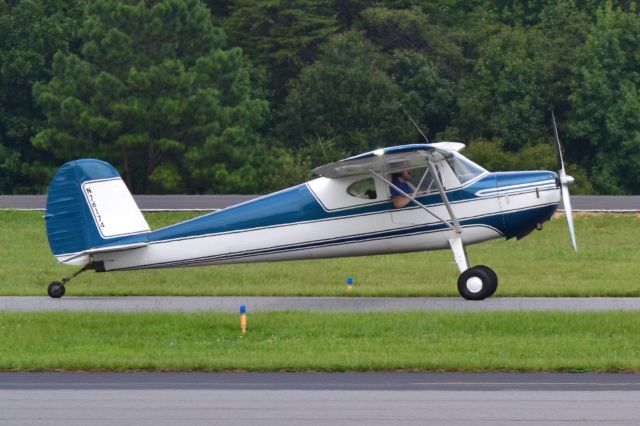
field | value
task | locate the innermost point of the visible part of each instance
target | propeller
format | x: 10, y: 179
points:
x: 565, y: 181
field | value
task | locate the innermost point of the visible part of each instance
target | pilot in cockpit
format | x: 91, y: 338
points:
x: 402, y: 181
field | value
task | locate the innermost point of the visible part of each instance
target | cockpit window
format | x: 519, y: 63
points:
x: 365, y: 188
x: 421, y: 180
x: 464, y: 169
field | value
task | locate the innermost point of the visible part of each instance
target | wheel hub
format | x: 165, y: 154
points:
x: 474, y: 284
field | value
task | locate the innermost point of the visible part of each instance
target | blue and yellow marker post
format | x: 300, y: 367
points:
x: 349, y: 282
x: 243, y: 319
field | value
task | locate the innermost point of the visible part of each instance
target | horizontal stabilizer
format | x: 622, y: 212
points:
x: 82, y: 257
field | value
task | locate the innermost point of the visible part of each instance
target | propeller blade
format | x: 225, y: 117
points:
x: 568, y: 211
x: 558, y: 150
x: 565, y: 181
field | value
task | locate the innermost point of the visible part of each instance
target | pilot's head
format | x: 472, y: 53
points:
x: 403, y: 175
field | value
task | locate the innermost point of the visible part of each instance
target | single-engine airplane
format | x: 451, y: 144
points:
x: 93, y: 221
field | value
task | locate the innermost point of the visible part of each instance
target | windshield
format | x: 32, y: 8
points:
x: 464, y: 169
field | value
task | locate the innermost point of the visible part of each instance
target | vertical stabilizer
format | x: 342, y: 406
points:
x: 89, y: 206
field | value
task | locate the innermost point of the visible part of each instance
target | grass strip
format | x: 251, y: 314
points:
x: 543, y: 264
x: 503, y: 341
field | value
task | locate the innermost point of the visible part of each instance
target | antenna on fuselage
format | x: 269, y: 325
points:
x: 415, y: 124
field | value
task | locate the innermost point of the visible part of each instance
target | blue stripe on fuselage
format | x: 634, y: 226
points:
x: 508, y: 179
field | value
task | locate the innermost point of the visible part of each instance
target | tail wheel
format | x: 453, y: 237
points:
x: 56, y: 290
x: 477, y: 283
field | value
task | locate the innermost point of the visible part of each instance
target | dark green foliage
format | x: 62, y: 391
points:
x: 605, y: 103
x: 154, y: 91
x: 346, y: 97
x: 522, y: 74
x: 416, y: 30
x: 426, y: 94
x: 32, y: 31
x: 353, y: 97
x: 282, y: 36
x: 246, y: 96
x: 508, y: 95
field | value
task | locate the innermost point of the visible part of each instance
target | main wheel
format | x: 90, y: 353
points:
x: 55, y: 290
x: 494, y: 278
x: 477, y: 283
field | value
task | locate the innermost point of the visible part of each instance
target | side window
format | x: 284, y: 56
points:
x: 422, y: 181
x: 365, y: 188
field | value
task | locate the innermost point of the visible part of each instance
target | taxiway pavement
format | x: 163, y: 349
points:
x: 329, y: 304
x: 93, y: 399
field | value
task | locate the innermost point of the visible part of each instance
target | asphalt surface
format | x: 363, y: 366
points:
x: 629, y: 203
x: 346, y: 381
x: 158, y: 399
x: 326, y: 304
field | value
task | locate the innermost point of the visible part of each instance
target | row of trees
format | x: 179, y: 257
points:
x: 246, y: 96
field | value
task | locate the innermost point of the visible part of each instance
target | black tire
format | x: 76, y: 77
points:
x: 55, y: 290
x: 477, y: 283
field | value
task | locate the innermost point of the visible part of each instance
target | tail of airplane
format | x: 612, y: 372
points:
x: 89, y: 209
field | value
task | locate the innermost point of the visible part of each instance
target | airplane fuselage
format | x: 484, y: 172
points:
x: 319, y: 219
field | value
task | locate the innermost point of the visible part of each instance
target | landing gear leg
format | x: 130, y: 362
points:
x: 474, y: 283
x: 459, y: 253
x: 56, y: 288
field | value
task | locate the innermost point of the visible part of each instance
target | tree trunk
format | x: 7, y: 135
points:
x: 127, y: 172
x: 154, y: 157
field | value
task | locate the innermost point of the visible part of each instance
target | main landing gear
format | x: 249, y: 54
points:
x: 476, y: 282
x: 56, y: 288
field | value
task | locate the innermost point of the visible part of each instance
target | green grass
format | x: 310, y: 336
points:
x: 521, y: 341
x: 543, y: 264
x: 608, y: 264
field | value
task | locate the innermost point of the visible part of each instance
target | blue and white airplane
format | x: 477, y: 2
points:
x: 93, y: 221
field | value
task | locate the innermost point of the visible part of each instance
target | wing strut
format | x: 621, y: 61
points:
x: 412, y: 198
x: 443, y: 195
x: 456, y: 243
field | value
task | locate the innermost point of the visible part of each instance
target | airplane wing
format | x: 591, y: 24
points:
x: 387, y: 160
